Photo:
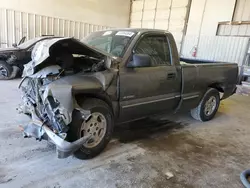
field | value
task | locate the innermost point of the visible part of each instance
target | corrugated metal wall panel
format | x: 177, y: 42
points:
x: 216, y: 48
x: 15, y: 24
x: 160, y: 14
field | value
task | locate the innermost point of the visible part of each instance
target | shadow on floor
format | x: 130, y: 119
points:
x: 143, y: 129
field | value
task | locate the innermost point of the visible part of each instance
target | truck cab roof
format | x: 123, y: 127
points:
x: 136, y: 30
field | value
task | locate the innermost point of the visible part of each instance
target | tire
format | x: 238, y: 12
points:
x: 17, y: 73
x: 199, y: 113
x: 5, y: 71
x: 96, y: 106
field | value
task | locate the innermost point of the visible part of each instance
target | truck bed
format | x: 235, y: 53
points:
x: 198, y: 75
x: 198, y: 61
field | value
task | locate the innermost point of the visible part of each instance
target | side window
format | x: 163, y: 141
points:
x: 156, y: 47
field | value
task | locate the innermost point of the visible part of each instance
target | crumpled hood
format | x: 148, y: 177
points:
x: 44, y: 49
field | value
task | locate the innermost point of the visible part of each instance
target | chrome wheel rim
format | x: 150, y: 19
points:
x: 3, y: 71
x: 210, y: 106
x: 95, y: 127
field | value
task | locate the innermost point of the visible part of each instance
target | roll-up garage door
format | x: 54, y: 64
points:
x: 168, y: 15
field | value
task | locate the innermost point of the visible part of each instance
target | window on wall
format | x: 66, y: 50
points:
x: 234, y: 29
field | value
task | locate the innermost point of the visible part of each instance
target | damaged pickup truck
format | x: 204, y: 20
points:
x: 75, y: 92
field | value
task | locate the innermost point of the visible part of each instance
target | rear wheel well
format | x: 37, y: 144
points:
x: 81, y: 97
x: 217, y: 86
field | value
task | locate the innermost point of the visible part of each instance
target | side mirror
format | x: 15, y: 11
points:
x: 140, y: 60
x: 14, y: 45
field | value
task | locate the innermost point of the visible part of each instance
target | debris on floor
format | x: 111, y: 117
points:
x: 169, y: 175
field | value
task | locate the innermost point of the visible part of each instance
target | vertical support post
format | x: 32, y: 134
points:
x: 130, y: 13
x: 69, y: 28
x: 40, y: 20
x: 83, y: 30
x: 13, y: 27
x: 79, y: 24
x: 52, y: 26
x: 21, y: 25
x: 46, y: 25
x: 58, y: 26
x: 143, y: 6
x: 6, y: 27
x: 34, y: 22
x: 202, y: 18
x: 156, y: 5
x: 186, y: 24
x: 170, y: 10
x: 63, y: 26
x: 74, y: 27
x: 27, y: 24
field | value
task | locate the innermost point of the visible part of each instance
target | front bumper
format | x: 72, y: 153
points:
x: 39, y: 130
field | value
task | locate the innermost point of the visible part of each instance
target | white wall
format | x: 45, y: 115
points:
x: 201, y: 41
x: 215, y: 11
x: 112, y: 13
x: 242, y: 12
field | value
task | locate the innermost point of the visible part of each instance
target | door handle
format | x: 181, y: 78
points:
x: 171, y: 76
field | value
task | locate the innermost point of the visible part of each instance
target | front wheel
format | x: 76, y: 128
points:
x: 99, y: 125
x: 5, y: 71
x: 208, y: 106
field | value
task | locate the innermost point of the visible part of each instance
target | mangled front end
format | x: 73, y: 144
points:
x: 47, y: 99
x: 50, y: 108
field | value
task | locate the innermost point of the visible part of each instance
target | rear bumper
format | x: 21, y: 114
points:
x: 39, y: 130
x: 229, y: 91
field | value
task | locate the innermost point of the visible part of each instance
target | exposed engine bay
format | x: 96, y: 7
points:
x: 49, y: 83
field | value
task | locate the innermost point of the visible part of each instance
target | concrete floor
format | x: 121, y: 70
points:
x: 141, y: 154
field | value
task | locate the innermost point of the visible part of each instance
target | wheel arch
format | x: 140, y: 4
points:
x: 217, y: 86
x: 102, y: 96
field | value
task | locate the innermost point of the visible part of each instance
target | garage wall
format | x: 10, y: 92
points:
x: 242, y: 12
x: 205, y: 15
x: 112, y: 13
x: 201, y: 40
x: 240, y: 25
x: 168, y: 15
x: 16, y: 24
x: 73, y: 18
x: 216, y: 48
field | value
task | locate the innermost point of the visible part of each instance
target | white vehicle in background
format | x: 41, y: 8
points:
x: 245, y: 74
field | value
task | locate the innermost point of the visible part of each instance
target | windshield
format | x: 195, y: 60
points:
x: 29, y: 43
x: 113, y: 42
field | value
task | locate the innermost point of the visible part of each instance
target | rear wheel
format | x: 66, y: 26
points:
x: 99, y: 125
x: 208, y: 106
x: 5, y: 71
